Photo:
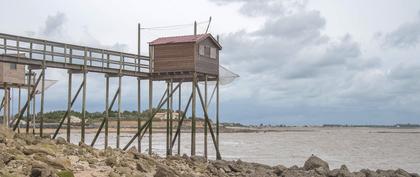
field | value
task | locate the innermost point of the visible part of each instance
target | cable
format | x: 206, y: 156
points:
x: 172, y: 26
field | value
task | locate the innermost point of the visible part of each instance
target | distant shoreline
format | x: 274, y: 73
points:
x: 160, y: 127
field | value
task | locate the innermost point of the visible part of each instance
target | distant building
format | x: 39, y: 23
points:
x: 163, y: 116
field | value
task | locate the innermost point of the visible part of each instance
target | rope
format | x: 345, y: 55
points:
x: 171, y: 27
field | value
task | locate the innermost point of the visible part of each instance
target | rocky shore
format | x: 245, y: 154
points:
x: 27, y: 155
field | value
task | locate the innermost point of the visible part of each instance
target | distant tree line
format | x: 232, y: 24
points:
x: 55, y: 116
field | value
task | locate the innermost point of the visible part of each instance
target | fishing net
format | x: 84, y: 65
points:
x: 48, y: 84
x: 226, y: 76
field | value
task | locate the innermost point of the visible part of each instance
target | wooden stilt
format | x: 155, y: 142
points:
x: 28, y: 111
x: 106, y: 112
x: 119, y: 113
x: 179, y: 121
x: 150, y: 114
x: 69, y: 105
x: 171, y: 118
x: 205, y: 125
x: 193, y: 126
x: 139, y: 113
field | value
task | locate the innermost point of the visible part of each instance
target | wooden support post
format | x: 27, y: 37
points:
x: 217, y: 110
x: 138, y: 90
x: 139, y: 113
x: 205, y: 125
x: 34, y: 112
x: 41, y: 112
x: 106, y: 111
x: 195, y: 28
x: 119, y: 112
x: 6, y: 106
x: 217, y: 105
x: 19, y: 99
x: 82, y: 133
x: 193, y: 126
x: 151, y: 61
x: 69, y: 105
x: 83, y: 124
x: 28, y: 111
x: 179, y: 121
x: 150, y: 114
x: 167, y: 120
x: 171, y: 99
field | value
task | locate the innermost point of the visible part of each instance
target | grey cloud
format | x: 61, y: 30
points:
x: 270, y: 8
x: 54, y: 24
x: 305, y: 24
x: 289, y: 62
x: 406, y: 35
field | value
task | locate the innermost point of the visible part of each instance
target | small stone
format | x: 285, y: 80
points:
x: 279, y: 169
x: 402, y: 173
x: 315, y: 162
x: 164, y: 171
x: 111, y: 161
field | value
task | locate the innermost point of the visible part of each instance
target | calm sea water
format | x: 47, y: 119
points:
x: 358, y: 148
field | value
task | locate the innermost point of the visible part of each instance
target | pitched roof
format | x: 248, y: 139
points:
x: 183, y: 39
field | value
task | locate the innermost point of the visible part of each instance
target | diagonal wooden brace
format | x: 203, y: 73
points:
x: 216, y: 146
x: 22, y: 111
x: 104, y: 120
x: 67, y: 112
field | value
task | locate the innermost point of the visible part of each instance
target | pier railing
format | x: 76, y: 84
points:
x: 62, y: 54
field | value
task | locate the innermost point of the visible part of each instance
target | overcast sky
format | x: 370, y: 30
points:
x: 300, y: 62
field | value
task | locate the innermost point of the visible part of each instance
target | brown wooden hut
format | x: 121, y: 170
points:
x: 192, y: 53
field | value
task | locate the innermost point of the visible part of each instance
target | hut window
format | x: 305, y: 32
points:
x: 13, y: 66
x: 213, y: 53
x: 201, y: 50
x: 207, y: 51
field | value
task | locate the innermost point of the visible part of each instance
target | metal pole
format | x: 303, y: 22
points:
x: 106, y: 109
x: 179, y: 119
x: 193, y: 126
x: 205, y: 125
x: 69, y: 104
x: 119, y: 112
x: 28, y: 110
